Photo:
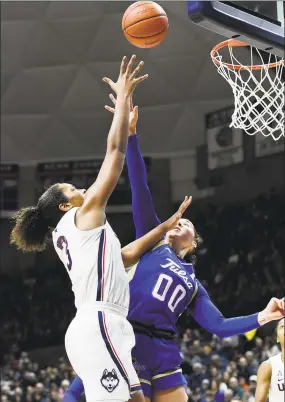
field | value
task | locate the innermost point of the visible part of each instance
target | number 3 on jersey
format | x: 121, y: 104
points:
x: 62, y: 244
x: 162, y: 289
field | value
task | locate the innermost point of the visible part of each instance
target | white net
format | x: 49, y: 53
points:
x: 258, y: 91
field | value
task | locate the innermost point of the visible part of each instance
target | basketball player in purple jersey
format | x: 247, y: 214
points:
x: 162, y: 287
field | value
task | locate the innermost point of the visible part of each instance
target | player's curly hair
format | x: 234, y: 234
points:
x: 33, y: 224
x: 191, y: 256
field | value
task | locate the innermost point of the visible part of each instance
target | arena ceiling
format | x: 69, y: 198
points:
x: 53, y: 58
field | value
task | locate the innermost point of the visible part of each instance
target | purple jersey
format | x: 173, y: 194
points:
x: 161, y: 288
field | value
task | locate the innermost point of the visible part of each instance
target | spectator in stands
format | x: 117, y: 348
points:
x: 252, y: 362
x: 243, y: 370
x: 235, y: 387
x: 197, y: 377
x: 228, y: 395
x: 252, y: 387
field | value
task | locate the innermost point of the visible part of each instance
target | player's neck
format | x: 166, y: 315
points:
x: 180, y: 252
x: 176, y: 247
x: 282, y: 354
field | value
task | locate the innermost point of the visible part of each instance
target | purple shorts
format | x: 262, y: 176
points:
x: 157, y: 362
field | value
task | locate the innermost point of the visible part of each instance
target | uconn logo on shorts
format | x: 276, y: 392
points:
x: 110, y: 380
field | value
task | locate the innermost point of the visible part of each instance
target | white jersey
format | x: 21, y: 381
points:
x: 277, y: 386
x: 93, y: 261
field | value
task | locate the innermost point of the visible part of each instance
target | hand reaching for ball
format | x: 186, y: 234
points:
x: 134, y: 114
x: 128, y: 79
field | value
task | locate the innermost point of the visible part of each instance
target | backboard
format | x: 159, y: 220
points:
x: 257, y: 23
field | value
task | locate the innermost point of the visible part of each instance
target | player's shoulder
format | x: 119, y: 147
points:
x: 157, y: 251
x: 160, y: 245
x: 275, y: 359
x: 265, y: 369
x: 68, y: 218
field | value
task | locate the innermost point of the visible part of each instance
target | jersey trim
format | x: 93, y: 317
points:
x: 194, y: 293
x: 161, y: 243
x: 135, y: 388
x: 101, y: 266
x: 131, y: 272
x: 112, y: 351
x: 145, y: 381
x: 166, y: 374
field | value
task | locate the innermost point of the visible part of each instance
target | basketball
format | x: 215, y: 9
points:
x: 145, y: 24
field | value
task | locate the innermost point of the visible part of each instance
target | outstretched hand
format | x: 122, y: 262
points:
x: 134, y: 114
x: 174, y: 219
x: 128, y: 79
x: 275, y: 310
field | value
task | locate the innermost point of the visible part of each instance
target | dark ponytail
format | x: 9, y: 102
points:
x: 30, y: 230
x: 33, y: 224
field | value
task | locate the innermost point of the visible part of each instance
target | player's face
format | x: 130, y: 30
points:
x: 280, y: 332
x: 182, y: 236
x: 74, y: 195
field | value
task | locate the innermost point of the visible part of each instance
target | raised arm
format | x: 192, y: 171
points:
x: 74, y: 391
x: 144, y: 214
x: 263, y: 381
x: 210, y: 318
x: 133, y: 251
x: 92, y: 212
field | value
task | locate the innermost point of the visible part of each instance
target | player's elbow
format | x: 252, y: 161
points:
x: 218, y: 328
x: 221, y: 333
x: 218, y: 332
x: 129, y: 258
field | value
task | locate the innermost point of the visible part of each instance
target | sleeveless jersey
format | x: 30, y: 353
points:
x: 93, y: 261
x: 277, y: 386
x: 161, y: 288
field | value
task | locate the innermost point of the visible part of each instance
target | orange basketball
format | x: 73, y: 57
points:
x: 145, y: 24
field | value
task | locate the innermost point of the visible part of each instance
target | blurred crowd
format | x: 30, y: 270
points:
x: 217, y: 370
x: 23, y: 380
x: 223, y: 370
x: 240, y: 262
x: 39, y: 306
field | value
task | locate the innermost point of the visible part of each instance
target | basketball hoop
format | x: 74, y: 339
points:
x: 258, y: 90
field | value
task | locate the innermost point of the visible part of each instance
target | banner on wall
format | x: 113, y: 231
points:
x: 267, y: 146
x: 82, y: 174
x: 224, y: 144
x: 9, y: 184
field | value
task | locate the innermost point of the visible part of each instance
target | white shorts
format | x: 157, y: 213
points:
x: 99, y: 344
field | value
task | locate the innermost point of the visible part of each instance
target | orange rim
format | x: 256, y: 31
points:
x: 237, y: 67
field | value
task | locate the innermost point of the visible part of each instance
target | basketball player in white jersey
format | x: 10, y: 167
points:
x: 99, y: 339
x: 270, y: 377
